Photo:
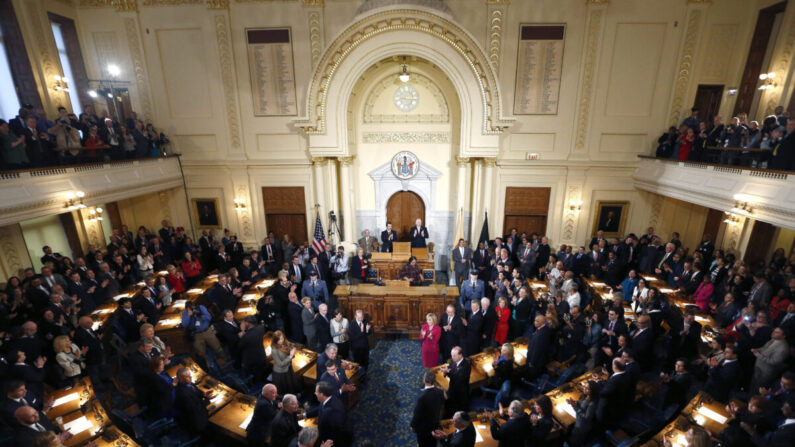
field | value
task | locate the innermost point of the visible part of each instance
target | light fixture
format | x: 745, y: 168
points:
x: 742, y: 205
x: 95, y: 214
x: 114, y: 70
x: 767, y: 79
x: 92, y: 93
x: 575, y: 205
x: 731, y: 218
x: 74, y: 200
x: 110, y: 95
x: 60, y: 84
x: 404, y: 75
x: 240, y: 204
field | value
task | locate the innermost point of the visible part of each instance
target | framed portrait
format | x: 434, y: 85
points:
x: 611, y: 218
x: 206, y: 213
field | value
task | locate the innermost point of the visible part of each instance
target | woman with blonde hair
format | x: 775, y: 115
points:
x: 148, y: 331
x: 69, y: 357
x: 283, y: 353
x: 429, y: 336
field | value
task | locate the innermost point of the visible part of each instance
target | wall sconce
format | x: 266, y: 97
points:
x: 575, y: 206
x: 767, y: 80
x: 240, y: 204
x: 95, y: 214
x: 74, y: 200
x: 60, y: 84
x: 742, y: 205
x: 731, y: 218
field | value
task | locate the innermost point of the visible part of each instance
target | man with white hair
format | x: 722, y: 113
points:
x: 665, y: 258
x: 308, y: 436
x: 464, y: 434
x: 284, y: 427
x: 418, y: 235
x: 515, y: 430
x: 259, y: 428
x: 489, y: 323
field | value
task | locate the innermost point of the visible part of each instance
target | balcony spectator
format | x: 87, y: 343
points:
x: 693, y: 120
x: 686, y: 144
x: 141, y: 142
x: 13, y: 148
x: 783, y: 156
x: 111, y: 136
x: 93, y: 140
x: 666, y: 142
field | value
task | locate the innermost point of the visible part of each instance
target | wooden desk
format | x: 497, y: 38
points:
x: 561, y: 410
x: 476, y: 378
x: 196, y: 373
x: 232, y: 419
x: 482, y: 428
x: 113, y: 437
x: 701, y: 411
x: 390, y: 269
x: 395, y: 308
x: 222, y: 393
x: 70, y: 399
x: 84, y: 426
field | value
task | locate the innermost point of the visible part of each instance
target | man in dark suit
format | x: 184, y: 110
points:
x: 686, y: 336
x: 582, y: 263
x: 252, y: 352
x: 452, y: 331
x: 37, y: 144
x: 148, y: 305
x: 227, y: 331
x: 330, y: 351
x: 330, y: 414
x: 706, y: 248
x: 338, y: 380
x: 258, y: 429
x: 427, y: 412
x: 481, y: 261
x: 30, y: 425
x: 359, y: 331
x: 17, y: 396
x: 464, y: 434
x: 643, y: 343
x: 462, y: 257
x: 489, y: 323
x: 474, y: 329
x: 95, y: 356
x: 284, y: 427
x: 458, y: 371
x: 614, y: 396
x: 538, y: 348
x: 271, y: 255
x: 527, y: 260
x: 783, y: 434
x: 128, y: 321
x: 388, y: 236
x: 676, y: 386
x: 595, y: 262
x: 223, y: 295
x: 191, y: 404
x: 296, y: 325
x: 723, y: 377
x: 418, y: 234
x: 515, y: 430
x: 235, y: 250
x: 542, y: 253
x: 32, y: 375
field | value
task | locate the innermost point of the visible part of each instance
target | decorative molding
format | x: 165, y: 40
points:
x: 48, y: 65
x: 498, y: 2
x: 126, y: 5
x: 244, y: 216
x: 165, y: 208
x: 572, y: 194
x: 493, y: 122
x: 589, y: 68
x: 319, y: 161
x: 107, y: 50
x: 657, y: 202
x: 732, y: 235
x: 11, y: 258
x: 782, y: 66
x: 462, y: 161
x: 315, y: 35
x: 347, y: 161
x: 597, y: 2
x: 416, y: 78
x: 685, y: 65
x: 495, y: 27
x: 228, y: 78
x: 489, y: 162
x: 131, y: 29
x: 406, y: 137
x: 312, y: 2
x: 707, y: 2
x: 217, y: 4
x: 171, y: 2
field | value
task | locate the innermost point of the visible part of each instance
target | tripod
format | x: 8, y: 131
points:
x: 332, y: 226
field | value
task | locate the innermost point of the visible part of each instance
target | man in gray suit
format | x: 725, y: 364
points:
x: 462, y: 258
x: 368, y: 243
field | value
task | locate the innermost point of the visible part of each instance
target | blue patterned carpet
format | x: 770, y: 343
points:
x: 386, y: 401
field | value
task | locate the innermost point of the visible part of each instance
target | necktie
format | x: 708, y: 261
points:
x: 39, y: 428
x: 612, y: 325
x: 361, y: 325
x: 23, y: 401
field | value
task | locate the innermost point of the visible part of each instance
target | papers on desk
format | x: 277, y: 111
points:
x: 268, y: 351
x: 169, y: 322
x: 179, y: 304
x: 650, y: 278
x: 487, y: 368
x: 250, y: 297
x: 120, y: 296
x: 163, y: 272
x: 265, y: 283
x: 302, y: 422
x: 248, y: 421
x: 706, y: 412
x: 218, y: 399
x: 102, y: 311
x: 78, y: 425
x: 212, y: 277
x: 566, y: 407
x: 96, y: 325
x: 479, y: 438
x: 537, y: 285
x: 65, y: 399
x: 702, y: 319
x: 245, y: 309
x: 598, y: 284
x: 194, y: 291
x: 667, y: 290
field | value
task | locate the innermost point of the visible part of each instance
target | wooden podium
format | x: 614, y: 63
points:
x: 389, y: 265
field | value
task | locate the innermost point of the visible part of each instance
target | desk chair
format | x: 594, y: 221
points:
x: 428, y: 276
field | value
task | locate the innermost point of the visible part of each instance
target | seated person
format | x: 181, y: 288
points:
x: 411, y: 272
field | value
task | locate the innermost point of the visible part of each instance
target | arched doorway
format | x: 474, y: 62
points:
x: 403, y: 209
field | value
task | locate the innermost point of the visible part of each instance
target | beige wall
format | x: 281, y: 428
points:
x: 150, y: 209
x: 44, y: 231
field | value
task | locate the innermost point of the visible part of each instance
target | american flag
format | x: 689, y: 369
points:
x: 319, y: 242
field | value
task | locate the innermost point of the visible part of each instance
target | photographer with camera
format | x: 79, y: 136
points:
x: 196, y: 320
x: 339, y: 266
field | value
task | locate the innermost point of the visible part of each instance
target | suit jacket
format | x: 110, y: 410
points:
x: 418, y: 237
x: 481, y: 259
x: 527, y: 261
x: 465, y: 438
x: 318, y: 292
x: 386, y: 243
x: 459, y: 379
x: 31, y: 375
x: 615, y: 395
x: 27, y: 436
x: 781, y: 437
x: 222, y: 297
x: 644, y: 348
x: 252, y: 352
x: 722, y: 380
x: 489, y: 324
x: 8, y: 407
x: 190, y: 404
x: 331, y: 421
x: 336, y: 383
x: 227, y: 334
x: 147, y: 308
x: 87, y: 337
x: 694, y: 281
x: 542, y: 255
x: 323, y: 326
x: 452, y: 337
x: 359, y: 339
x: 296, y: 323
x: 259, y: 428
x: 474, y: 331
x: 470, y: 291
x: 427, y: 411
x: 513, y: 432
x: 461, y: 264
x: 284, y: 428
x: 368, y: 244
x: 539, y: 347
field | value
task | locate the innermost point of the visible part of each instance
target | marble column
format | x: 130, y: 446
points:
x: 477, y: 199
x: 332, y: 189
x: 461, y: 189
x: 346, y: 186
x: 318, y: 163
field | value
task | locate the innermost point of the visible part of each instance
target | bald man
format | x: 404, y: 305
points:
x: 31, y: 425
x: 259, y: 429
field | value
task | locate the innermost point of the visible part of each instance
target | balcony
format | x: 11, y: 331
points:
x: 770, y: 195
x: 40, y: 192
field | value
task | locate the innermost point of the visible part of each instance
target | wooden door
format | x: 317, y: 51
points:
x: 285, y: 212
x: 712, y: 225
x: 707, y: 100
x: 526, y: 210
x: 759, y: 243
x: 403, y: 209
x: 756, y: 56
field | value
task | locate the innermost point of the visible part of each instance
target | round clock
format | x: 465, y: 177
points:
x: 406, y: 98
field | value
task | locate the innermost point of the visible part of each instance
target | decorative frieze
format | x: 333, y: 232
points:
x: 228, y: 78
x: 406, y: 137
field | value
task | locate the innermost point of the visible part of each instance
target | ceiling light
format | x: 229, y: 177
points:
x: 404, y: 74
x: 92, y: 93
x: 114, y: 70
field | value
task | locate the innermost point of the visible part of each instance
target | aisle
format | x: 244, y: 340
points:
x: 387, y: 400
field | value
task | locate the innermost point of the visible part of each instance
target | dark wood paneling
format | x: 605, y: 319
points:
x: 24, y: 81
x: 70, y: 228
x: 759, y: 243
x: 707, y: 100
x: 284, y: 200
x: 712, y: 225
x: 78, y: 85
x: 112, y: 211
x: 403, y: 209
x: 526, y: 224
x: 292, y: 224
x: 526, y: 210
x: 756, y: 56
